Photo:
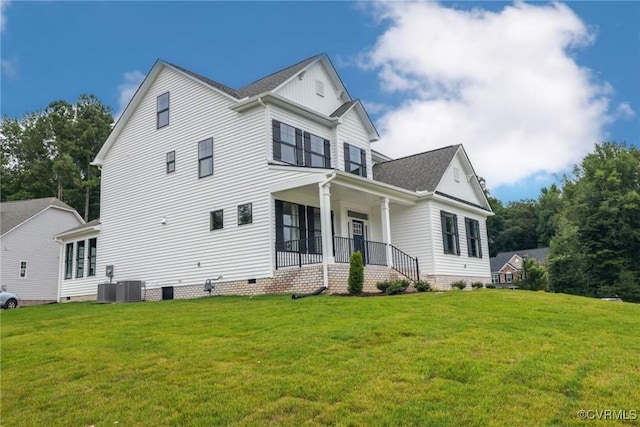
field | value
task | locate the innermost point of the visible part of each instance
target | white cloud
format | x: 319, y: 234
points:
x: 374, y: 107
x: 624, y: 111
x: 9, y: 68
x: 3, y: 17
x: 503, y: 83
x: 132, y: 80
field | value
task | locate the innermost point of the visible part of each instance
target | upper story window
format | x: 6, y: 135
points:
x: 292, y: 145
x: 162, y: 110
x: 355, y: 160
x: 474, y: 248
x: 205, y: 158
x: 216, y: 220
x: 171, y: 161
x: 245, y: 214
x: 450, y: 239
x: 23, y: 269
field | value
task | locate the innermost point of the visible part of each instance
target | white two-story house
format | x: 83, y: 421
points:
x: 270, y: 188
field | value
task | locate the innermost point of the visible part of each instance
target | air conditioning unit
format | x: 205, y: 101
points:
x: 106, y: 292
x: 129, y: 291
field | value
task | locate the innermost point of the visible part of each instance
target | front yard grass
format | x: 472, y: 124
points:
x: 484, y: 358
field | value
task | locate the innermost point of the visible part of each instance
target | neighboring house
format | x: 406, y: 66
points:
x: 272, y: 186
x: 30, y: 256
x: 506, y: 266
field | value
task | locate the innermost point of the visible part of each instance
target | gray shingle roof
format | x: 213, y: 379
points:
x: 89, y: 224
x: 15, y: 213
x: 419, y: 172
x: 264, y: 84
x: 343, y: 108
x: 274, y: 80
x: 539, y: 254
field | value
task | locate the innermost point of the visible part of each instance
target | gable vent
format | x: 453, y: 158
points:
x: 319, y: 88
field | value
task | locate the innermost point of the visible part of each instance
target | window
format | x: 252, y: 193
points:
x: 474, y: 248
x: 216, y: 220
x: 298, y: 228
x: 295, y: 147
x: 205, y: 158
x: 245, y: 215
x: 355, y: 160
x: 80, y: 259
x: 23, y: 269
x: 495, y: 278
x: 171, y: 161
x: 290, y: 221
x: 93, y: 252
x: 162, y: 110
x: 508, y: 277
x: 450, y: 233
x: 68, y: 261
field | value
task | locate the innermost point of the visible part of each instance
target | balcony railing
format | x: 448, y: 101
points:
x: 309, y: 251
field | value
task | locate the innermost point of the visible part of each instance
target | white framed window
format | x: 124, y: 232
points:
x: 245, y: 214
x: 162, y: 110
x: 205, y: 158
x: 508, y: 277
x: 216, y: 220
x: 171, y: 161
x: 450, y: 239
x: 23, y: 269
x: 495, y: 278
x: 355, y: 160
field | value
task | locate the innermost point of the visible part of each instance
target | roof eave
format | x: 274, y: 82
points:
x: 280, y: 101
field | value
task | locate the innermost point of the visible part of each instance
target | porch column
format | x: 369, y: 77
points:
x: 325, y: 223
x: 386, y: 228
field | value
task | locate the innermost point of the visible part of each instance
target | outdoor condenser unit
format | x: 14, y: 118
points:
x: 106, y: 292
x: 129, y: 291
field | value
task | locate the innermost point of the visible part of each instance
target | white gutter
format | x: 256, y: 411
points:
x: 326, y: 228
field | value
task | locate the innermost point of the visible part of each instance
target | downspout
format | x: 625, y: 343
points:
x: 61, y: 243
x: 266, y: 126
x: 325, y: 264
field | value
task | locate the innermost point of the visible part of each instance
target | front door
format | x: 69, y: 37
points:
x: 358, y: 233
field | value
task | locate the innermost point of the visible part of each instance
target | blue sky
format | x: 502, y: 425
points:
x: 527, y: 88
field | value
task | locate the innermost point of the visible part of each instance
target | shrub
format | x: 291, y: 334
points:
x: 398, y: 287
x: 356, y: 274
x: 422, y: 286
x: 383, y: 286
x: 490, y: 286
x: 477, y: 285
x: 460, y: 284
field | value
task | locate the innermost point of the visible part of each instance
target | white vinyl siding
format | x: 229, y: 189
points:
x: 462, y: 265
x: 352, y: 132
x: 461, y: 188
x: 411, y: 234
x: 33, y: 243
x: 304, y: 91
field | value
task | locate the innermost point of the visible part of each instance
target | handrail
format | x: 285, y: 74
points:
x: 405, y: 264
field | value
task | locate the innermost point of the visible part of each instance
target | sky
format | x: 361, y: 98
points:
x: 527, y: 88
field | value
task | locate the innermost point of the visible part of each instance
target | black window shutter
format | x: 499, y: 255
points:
x: 363, y: 162
x: 467, y: 226
x: 277, y: 152
x: 455, y: 227
x: 279, y: 227
x: 299, y: 150
x: 311, y: 224
x: 307, y: 148
x: 477, y: 224
x: 346, y: 158
x: 303, y: 227
x: 443, y: 223
x: 327, y: 154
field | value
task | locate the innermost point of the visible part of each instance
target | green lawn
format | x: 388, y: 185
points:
x: 489, y: 357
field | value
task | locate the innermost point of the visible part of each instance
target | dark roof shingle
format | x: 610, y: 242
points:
x: 15, y: 213
x: 419, y: 172
x: 539, y: 254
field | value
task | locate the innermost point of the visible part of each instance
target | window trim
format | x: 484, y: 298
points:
x: 160, y: 111
x: 495, y: 278
x: 250, y: 205
x: 207, y: 158
x: 348, y: 162
x: 22, y: 273
x: 302, y: 148
x: 171, y: 162
x: 508, y: 277
x: 212, y: 220
x: 472, y: 227
x: 92, y: 258
x: 456, y: 234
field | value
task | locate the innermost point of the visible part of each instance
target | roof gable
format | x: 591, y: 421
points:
x: 418, y: 172
x: 499, y: 261
x: 459, y: 180
x: 356, y: 105
x: 14, y: 214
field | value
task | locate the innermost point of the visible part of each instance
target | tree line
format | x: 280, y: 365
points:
x: 591, y: 224
x: 48, y: 154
